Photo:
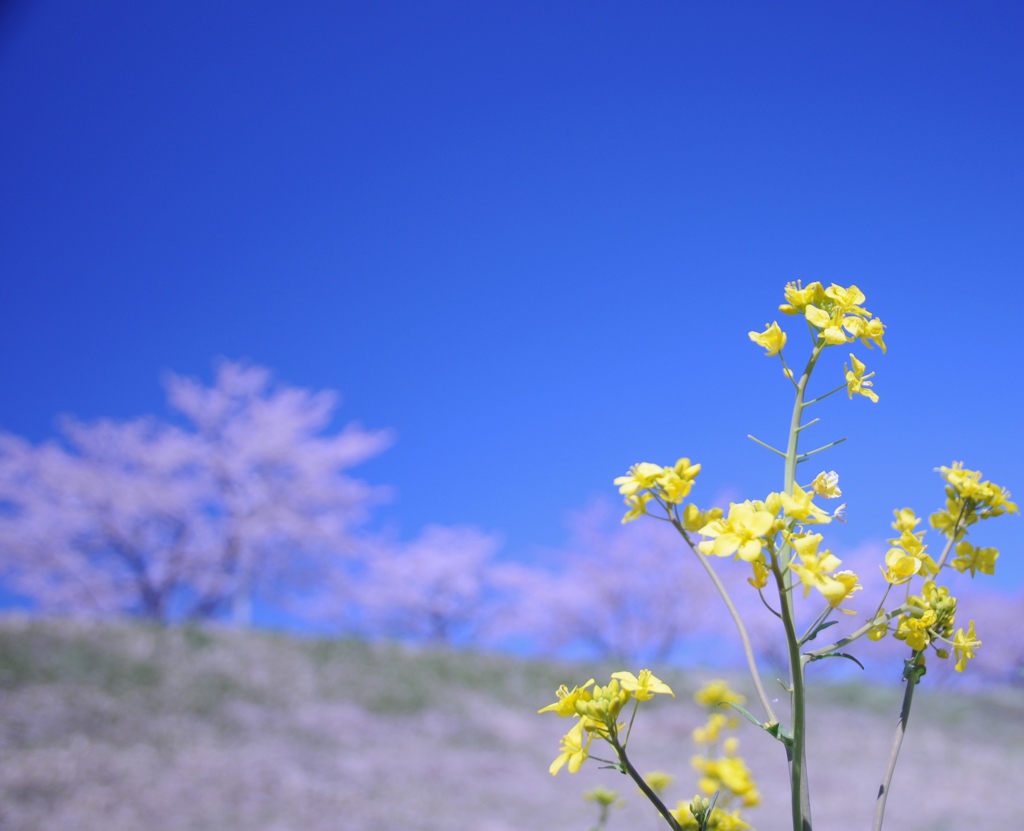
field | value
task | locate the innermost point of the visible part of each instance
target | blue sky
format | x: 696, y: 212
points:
x: 531, y: 237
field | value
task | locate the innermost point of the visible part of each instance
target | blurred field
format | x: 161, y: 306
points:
x: 119, y: 727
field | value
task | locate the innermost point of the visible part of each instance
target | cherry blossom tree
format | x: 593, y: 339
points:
x: 628, y: 592
x: 439, y: 588
x: 249, y: 496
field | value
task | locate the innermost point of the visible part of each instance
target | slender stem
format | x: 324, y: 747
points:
x: 952, y: 535
x: 826, y: 395
x: 806, y: 636
x: 798, y: 758
x: 786, y: 370
x: 783, y: 576
x: 773, y: 449
x: 913, y: 675
x: 767, y: 605
x: 748, y: 650
x: 804, y: 456
x: 803, y: 427
x: 881, y: 603
x: 647, y: 790
x: 794, y: 426
x: 859, y: 633
x: 636, y: 705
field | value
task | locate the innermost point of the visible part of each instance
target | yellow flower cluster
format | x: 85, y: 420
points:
x: 598, y: 710
x: 605, y: 797
x: 813, y: 570
x: 907, y: 557
x: 931, y: 620
x: 836, y: 312
x: 647, y: 481
x: 969, y: 499
x: 931, y: 617
x: 720, y: 767
x: 689, y: 816
x: 749, y: 533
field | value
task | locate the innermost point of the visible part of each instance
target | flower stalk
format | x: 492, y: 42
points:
x: 776, y: 539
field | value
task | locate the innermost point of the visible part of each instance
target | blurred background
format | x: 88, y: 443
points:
x: 324, y: 330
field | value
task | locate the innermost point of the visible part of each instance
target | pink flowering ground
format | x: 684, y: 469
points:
x: 120, y: 727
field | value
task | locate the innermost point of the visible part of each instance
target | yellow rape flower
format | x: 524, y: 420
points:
x: 905, y: 520
x: 975, y: 559
x: 658, y: 780
x: 900, y: 566
x: 838, y: 587
x: 847, y: 300
x: 637, y: 506
x: 574, y: 751
x: 800, y: 506
x: 869, y: 331
x: 857, y: 381
x: 761, y: 572
x: 881, y: 627
x: 741, y: 533
x: 604, y: 703
x: 915, y: 630
x: 799, y: 298
x: 603, y: 796
x: 709, y: 733
x: 964, y: 646
x: 814, y: 569
x: 716, y: 693
x: 566, y: 704
x: 993, y: 499
x: 640, y: 477
x: 831, y: 325
x: 643, y: 687
x: 772, y: 339
x: 694, y: 518
x: 674, y: 483
x: 827, y: 485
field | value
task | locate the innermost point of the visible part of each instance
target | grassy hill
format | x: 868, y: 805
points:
x: 125, y: 727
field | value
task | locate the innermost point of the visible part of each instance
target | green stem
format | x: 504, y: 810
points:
x: 826, y: 395
x: 647, y: 790
x: 913, y: 676
x: 763, y: 444
x: 748, y: 649
x: 632, y: 718
x: 952, y: 535
x: 804, y: 456
x: 855, y: 635
x: 798, y: 755
x: 806, y: 636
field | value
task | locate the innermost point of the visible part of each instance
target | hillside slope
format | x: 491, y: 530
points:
x: 123, y: 727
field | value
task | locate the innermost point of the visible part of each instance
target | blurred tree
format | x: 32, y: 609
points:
x: 631, y: 593
x: 439, y: 588
x: 169, y: 523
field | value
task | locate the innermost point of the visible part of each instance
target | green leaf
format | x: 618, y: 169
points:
x: 774, y: 729
x: 820, y: 628
x: 846, y: 655
x: 707, y: 814
x: 619, y: 768
x: 745, y: 713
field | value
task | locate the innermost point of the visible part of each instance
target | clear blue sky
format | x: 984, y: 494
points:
x: 531, y: 237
